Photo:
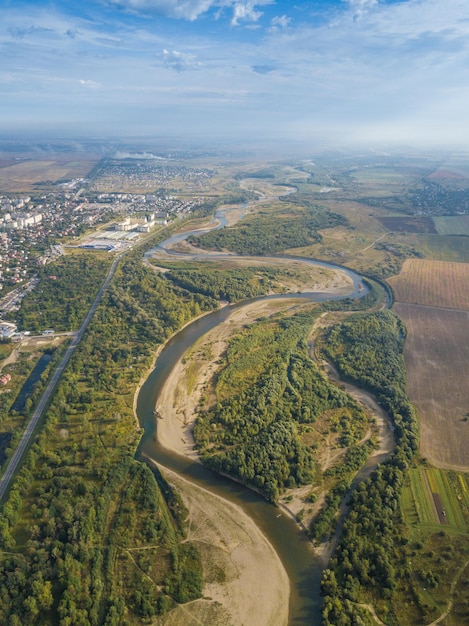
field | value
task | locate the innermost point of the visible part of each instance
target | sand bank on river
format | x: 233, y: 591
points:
x: 245, y: 582
x: 185, y: 386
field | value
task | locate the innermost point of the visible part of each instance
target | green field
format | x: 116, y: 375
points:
x: 420, y: 498
x: 437, y: 552
x: 440, y: 484
x: 380, y: 175
x: 444, y: 247
x: 452, y: 225
x: 451, y: 487
x: 460, y: 485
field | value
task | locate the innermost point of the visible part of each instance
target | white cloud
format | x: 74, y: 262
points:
x: 412, y: 17
x: 361, y: 64
x: 72, y: 33
x: 21, y: 32
x: 264, y: 69
x: 361, y: 7
x: 178, y: 9
x: 180, y: 61
x: 280, y: 21
x: 193, y: 9
x: 90, y: 84
x: 245, y: 11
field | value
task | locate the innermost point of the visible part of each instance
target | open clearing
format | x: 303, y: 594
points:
x: 452, y: 225
x: 409, y: 224
x: 454, y: 173
x: 300, y: 277
x: 388, y: 181
x: 23, y: 176
x: 441, y: 247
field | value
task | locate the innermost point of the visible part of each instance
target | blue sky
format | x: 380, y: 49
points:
x: 345, y: 70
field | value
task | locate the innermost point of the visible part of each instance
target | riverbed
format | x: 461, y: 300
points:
x: 302, y: 566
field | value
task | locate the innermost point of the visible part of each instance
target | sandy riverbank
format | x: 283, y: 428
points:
x: 245, y: 582
x: 235, y: 554
x: 185, y: 386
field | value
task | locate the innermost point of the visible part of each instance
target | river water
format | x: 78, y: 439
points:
x: 303, y: 568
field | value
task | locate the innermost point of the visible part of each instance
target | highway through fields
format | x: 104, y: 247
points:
x: 15, y: 459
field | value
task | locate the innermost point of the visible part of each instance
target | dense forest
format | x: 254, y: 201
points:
x: 371, y: 555
x: 235, y: 283
x: 65, y: 292
x: 90, y: 535
x: 269, y: 394
x: 230, y: 285
x: 269, y: 234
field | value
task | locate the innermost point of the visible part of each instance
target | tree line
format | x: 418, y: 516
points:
x: 66, y: 290
x: 370, y: 560
x: 269, y: 234
x: 89, y: 534
x: 268, y: 390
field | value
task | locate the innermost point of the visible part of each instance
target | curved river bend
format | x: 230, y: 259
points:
x: 303, y: 568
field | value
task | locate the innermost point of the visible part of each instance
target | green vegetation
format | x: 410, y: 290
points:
x: 445, y: 247
x: 66, y: 290
x: 6, y: 348
x: 452, y: 225
x: 418, y: 499
x: 323, y: 525
x: 368, y: 349
x: 236, y: 283
x: 432, y: 491
x: 235, y: 195
x: 91, y: 536
x: 371, y: 556
x: 12, y: 421
x: 266, y: 172
x: 231, y: 285
x: 88, y: 536
x: 91, y: 545
x: 268, y: 393
x: 273, y: 232
x: 438, y: 544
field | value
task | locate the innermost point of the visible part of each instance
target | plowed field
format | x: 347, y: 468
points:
x: 409, y: 224
x: 433, y: 283
x: 432, y: 298
x: 437, y: 361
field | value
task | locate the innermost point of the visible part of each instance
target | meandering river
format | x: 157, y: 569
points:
x: 291, y: 544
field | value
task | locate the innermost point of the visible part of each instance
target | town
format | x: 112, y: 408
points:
x: 97, y: 212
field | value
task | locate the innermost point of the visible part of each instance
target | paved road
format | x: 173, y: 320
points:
x: 15, y: 460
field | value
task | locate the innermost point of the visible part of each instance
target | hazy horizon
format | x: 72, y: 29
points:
x: 338, y: 72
